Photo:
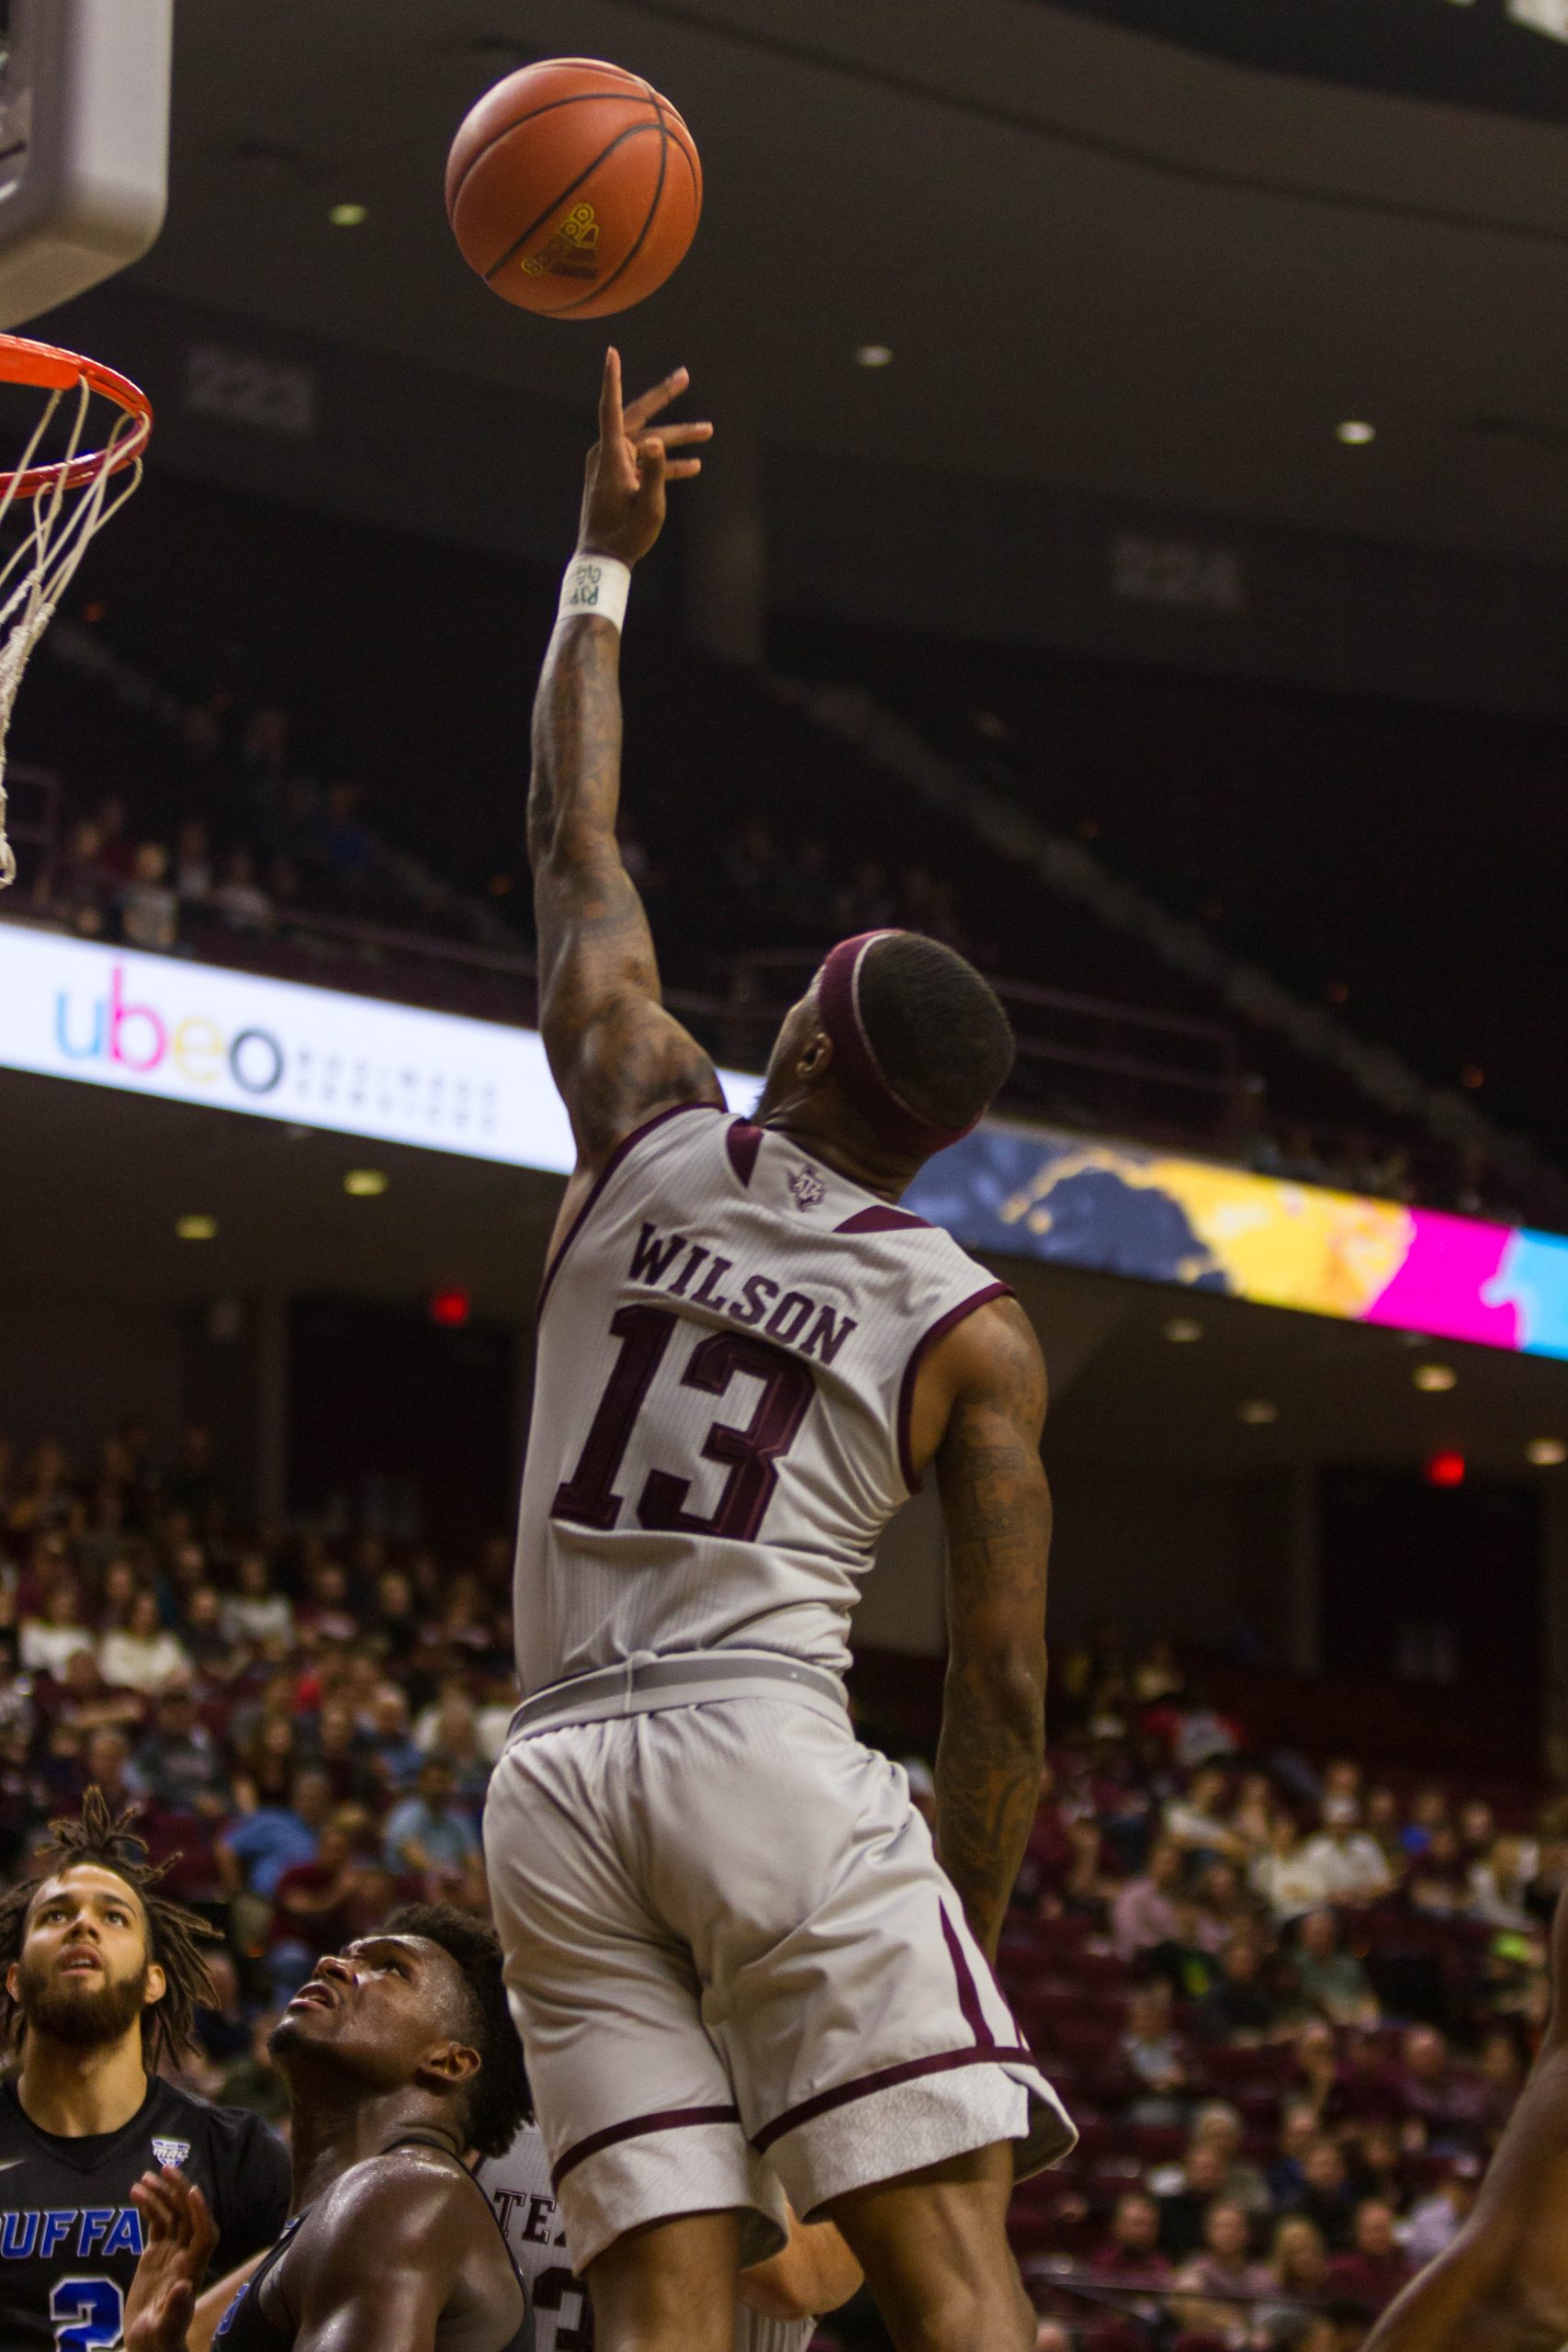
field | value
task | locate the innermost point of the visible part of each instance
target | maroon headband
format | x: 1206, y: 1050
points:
x: 855, y: 1065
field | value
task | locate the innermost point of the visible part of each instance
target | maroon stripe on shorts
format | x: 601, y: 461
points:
x: 669, y: 2119
x: 968, y: 1991
x: 886, y: 2078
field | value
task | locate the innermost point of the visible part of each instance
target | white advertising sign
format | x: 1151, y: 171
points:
x: 316, y: 1058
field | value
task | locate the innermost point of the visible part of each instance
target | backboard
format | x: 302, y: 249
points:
x: 84, y: 143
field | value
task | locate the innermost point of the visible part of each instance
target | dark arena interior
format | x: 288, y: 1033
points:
x: 1133, y: 552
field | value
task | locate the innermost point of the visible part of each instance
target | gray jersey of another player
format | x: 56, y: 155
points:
x: 518, y: 2186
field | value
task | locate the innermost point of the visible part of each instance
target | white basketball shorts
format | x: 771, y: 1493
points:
x: 729, y: 1940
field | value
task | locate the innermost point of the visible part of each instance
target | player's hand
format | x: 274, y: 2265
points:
x: 628, y: 468
x: 178, y: 2235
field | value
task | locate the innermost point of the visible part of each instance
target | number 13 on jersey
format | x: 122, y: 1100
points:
x: 750, y: 1454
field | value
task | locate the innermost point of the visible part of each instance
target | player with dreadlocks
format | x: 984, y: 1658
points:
x: 102, y: 1976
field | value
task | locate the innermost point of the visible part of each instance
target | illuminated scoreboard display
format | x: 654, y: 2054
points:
x: 1509, y: 56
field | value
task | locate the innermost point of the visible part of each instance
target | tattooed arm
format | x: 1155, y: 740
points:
x: 615, y: 1054
x: 991, y: 1376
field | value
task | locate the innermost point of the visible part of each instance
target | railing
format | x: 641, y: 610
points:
x: 1083, y: 1061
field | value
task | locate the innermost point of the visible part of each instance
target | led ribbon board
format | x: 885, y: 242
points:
x: 182, y: 1032
x: 1035, y: 1193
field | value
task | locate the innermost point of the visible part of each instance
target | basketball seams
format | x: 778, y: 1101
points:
x: 632, y: 130
x: 551, y: 106
x: 638, y: 240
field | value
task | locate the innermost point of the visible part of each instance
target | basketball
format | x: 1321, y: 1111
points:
x: 573, y: 188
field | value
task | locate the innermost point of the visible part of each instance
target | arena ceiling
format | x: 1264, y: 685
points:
x: 1102, y: 262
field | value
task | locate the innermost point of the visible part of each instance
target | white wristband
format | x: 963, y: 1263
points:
x: 597, y: 584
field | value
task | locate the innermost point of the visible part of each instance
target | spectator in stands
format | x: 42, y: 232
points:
x: 1383, y: 1824
x: 312, y: 1905
x: 239, y: 897
x: 1132, y: 2248
x: 1346, y: 1864
x: 1156, y: 1674
x: 50, y: 1638
x: 1184, y: 2201
x: 1298, y: 2272
x: 1316, y: 2064
x: 193, y: 862
x: 1439, y: 1883
x: 255, y: 1850
x: 1225, y: 1906
x: 1252, y: 1815
x: 201, y: 1630
x: 1195, y: 1820
x: 1152, y: 2050
x: 1331, y: 1979
x: 393, y: 1758
x: 78, y: 891
x: 345, y: 844
x: 1225, y: 2267
x: 1452, y: 2105
x: 1499, y: 1881
x: 107, y: 1760
x: 149, y: 905
x: 80, y: 1696
x: 255, y: 1612
x: 1184, y: 1959
x: 145, y: 1654
x: 179, y: 1762
x: 1374, y: 2269
x: 1218, y: 2124
x: 426, y: 1833
x: 1326, y: 2199
x: 1366, y: 2088
x: 1284, y: 1878
x: 1429, y: 1814
x: 116, y: 856
x: 1238, y: 2007
x: 1285, y: 2178
x: 1437, y: 2220
x: 1142, y: 1913
x: 1376, y: 2163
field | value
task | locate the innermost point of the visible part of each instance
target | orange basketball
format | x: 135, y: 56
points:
x: 573, y: 188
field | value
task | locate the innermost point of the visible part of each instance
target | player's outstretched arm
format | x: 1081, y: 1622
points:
x: 1501, y: 2286
x: 617, y: 1055
x: 996, y: 1507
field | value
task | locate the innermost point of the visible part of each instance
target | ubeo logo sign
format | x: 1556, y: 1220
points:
x: 138, y: 1038
x: 187, y: 1031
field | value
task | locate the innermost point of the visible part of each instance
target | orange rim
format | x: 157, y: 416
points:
x: 52, y: 370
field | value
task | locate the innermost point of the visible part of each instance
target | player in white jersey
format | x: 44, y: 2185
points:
x: 732, y: 1953
x: 780, y: 2299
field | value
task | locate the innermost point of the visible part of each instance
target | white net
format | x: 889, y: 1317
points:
x: 53, y: 529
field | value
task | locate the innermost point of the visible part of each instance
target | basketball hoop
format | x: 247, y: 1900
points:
x: 69, y: 499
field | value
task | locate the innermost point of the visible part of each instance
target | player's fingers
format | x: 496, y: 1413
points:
x: 682, y: 468
x: 675, y: 436
x: 657, y: 396
x: 610, y: 399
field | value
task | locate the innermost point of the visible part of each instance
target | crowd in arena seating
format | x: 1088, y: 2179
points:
x: 1290, y: 2005
x: 241, y: 833
x: 311, y: 1735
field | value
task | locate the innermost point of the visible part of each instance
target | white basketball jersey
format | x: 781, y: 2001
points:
x: 518, y: 2185
x: 728, y: 1340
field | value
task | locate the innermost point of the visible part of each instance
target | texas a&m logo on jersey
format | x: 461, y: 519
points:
x: 807, y: 1187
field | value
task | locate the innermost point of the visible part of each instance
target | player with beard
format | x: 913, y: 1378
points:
x: 401, y: 2057
x: 102, y: 1978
